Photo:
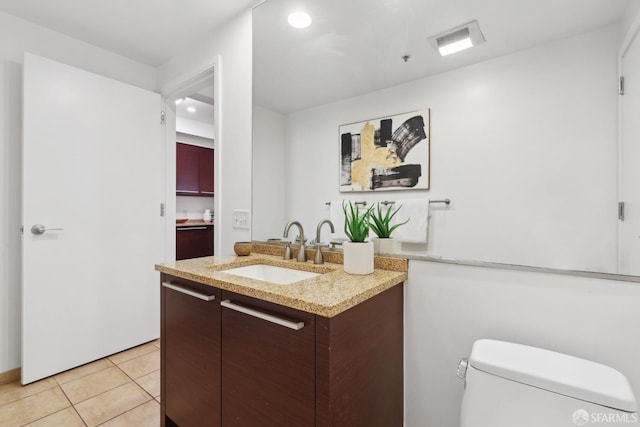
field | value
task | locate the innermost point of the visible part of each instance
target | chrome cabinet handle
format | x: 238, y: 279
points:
x: 188, y: 292
x: 40, y: 229
x: 264, y: 316
x: 191, y: 228
x: 208, y: 192
x: 187, y: 191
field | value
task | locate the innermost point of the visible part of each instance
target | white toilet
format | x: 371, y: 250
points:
x: 508, y: 385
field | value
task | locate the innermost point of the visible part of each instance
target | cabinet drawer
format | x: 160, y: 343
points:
x: 268, y: 370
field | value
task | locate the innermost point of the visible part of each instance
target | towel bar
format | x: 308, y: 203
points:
x: 355, y: 203
x: 445, y: 201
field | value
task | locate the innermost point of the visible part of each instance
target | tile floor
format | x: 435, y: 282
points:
x: 122, y: 390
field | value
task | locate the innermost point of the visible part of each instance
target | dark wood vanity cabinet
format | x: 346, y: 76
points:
x: 194, y: 170
x: 346, y: 370
x: 190, y: 353
x: 194, y: 241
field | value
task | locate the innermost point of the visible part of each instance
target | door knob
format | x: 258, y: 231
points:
x: 40, y: 229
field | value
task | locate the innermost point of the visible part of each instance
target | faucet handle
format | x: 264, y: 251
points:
x: 287, y: 252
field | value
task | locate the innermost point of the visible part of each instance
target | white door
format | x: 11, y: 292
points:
x: 629, y: 259
x: 92, y: 168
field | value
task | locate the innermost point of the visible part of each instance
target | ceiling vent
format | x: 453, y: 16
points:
x: 457, y: 39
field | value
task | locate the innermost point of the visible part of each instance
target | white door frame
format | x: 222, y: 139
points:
x: 629, y: 38
x: 178, y: 88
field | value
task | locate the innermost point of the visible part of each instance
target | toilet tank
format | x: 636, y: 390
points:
x: 509, y: 384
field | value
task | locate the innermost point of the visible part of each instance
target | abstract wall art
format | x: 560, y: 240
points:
x: 390, y: 153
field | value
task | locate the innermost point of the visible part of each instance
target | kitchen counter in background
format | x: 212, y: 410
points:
x: 194, y: 222
x: 326, y: 295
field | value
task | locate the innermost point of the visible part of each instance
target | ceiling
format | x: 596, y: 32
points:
x: 147, y: 31
x: 203, y: 111
x: 356, y: 46
x: 352, y: 47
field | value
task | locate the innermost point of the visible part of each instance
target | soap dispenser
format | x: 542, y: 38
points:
x: 207, y: 215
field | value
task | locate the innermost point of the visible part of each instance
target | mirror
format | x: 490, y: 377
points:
x: 523, y: 127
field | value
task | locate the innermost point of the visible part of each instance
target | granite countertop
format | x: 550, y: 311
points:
x: 326, y: 295
x: 194, y: 222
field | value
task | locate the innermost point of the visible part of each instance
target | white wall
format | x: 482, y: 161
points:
x: 16, y: 37
x: 231, y: 48
x: 631, y: 14
x: 524, y: 145
x: 270, y: 172
x: 448, y: 307
x: 195, y: 127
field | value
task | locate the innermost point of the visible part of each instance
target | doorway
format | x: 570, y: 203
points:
x: 192, y: 119
x: 195, y: 174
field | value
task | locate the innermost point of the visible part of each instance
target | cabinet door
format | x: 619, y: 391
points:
x: 268, y: 370
x: 206, y: 172
x: 190, y: 354
x: 187, y: 169
x: 194, y: 242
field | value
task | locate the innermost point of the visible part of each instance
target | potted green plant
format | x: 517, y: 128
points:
x: 358, y: 253
x: 381, y: 225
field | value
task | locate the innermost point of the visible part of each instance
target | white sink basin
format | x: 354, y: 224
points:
x: 271, y: 274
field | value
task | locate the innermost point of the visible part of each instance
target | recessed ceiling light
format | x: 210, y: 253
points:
x: 457, y: 39
x: 299, y: 20
x: 191, y: 109
x: 179, y: 100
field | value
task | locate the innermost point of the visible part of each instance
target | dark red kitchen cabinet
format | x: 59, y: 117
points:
x: 206, y: 172
x: 194, y: 170
x: 194, y: 241
x: 187, y: 170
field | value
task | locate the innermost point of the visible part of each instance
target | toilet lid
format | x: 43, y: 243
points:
x: 556, y: 372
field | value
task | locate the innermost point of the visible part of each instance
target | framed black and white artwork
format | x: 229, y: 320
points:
x: 390, y: 153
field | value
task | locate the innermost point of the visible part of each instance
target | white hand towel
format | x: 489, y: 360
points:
x: 337, y: 218
x: 414, y: 231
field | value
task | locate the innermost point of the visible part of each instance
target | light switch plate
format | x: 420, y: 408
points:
x: 241, y: 219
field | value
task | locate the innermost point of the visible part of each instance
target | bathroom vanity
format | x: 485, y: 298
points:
x: 321, y: 351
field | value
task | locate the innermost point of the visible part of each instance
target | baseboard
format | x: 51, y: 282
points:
x: 10, y: 376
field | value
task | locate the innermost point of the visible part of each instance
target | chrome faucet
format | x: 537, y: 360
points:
x: 317, y: 258
x: 302, y: 255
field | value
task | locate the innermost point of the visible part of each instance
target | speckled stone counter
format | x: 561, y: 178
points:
x: 327, y: 295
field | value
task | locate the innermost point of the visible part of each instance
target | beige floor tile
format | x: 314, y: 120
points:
x: 33, y: 408
x: 132, y: 353
x: 145, y: 415
x: 93, y: 384
x: 16, y: 391
x: 158, y: 399
x: 151, y: 383
x: 112, y: 403
x: 67, y: 418
x: 83, y: 370
x: 156, y: 343
x: 142, y: 365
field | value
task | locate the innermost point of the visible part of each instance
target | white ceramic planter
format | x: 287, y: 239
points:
x: 382, y: 245
x: 358, y: 257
